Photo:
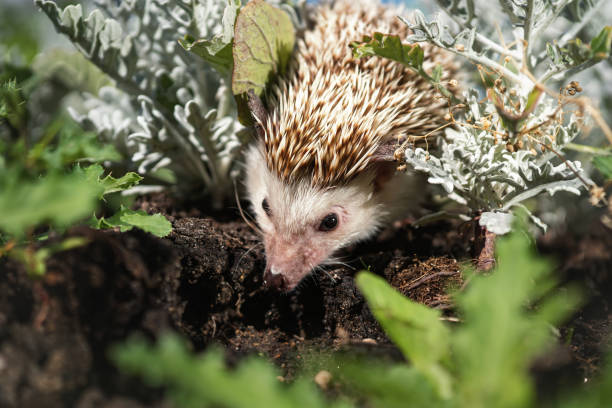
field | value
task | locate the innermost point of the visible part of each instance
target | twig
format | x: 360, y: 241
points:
x: 425, y: 278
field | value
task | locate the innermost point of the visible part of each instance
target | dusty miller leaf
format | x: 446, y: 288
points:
x: 499, y: 223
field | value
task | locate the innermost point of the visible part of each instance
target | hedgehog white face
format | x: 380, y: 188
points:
x: 303, y: 225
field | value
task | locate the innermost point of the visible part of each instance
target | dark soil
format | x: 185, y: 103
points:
x: 205, y: 281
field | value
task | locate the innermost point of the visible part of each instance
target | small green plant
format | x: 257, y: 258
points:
x: 506, y: 319
x: 205, y: 380
x: 50, y: 176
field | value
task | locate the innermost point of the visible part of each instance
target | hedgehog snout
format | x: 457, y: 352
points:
x: 289, y: 260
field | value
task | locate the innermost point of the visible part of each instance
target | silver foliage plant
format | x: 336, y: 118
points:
x: 488, y: 161
x: 168, y: 108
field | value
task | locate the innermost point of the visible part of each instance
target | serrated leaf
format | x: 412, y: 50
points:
x: 604, y: 165
x: 218, y: 50
x: 413, y: 327
x: 391, y: 47
x: 217, y: 53
x: 263, y: 42
x: 109, y: 184
x: 126, y: 219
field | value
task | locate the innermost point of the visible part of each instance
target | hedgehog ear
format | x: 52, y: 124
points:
x: 384, y: 164
x: 385, y: 152
x: 258, y: 111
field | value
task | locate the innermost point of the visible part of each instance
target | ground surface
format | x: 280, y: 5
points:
x: 204, y: 280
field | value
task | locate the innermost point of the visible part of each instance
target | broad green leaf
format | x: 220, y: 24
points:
x: 604, y: 165
x: 263, y: 42
x: 413, y: 327
x: 127, y: 219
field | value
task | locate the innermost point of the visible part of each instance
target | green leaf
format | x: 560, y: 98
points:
x: 383, y: 383
x: 108, y: 184
x: 532, y: 101
x: 263, y: 42
x: 205, y: 381
x: 391, y: 47
x: 217, y: 53
x: 413, y: 327
x: 127, y: 219
x: 12, y: 104
x: 436, y: 74
x: 218, y: 50
x: 502, y: 329
x: 604, y: 165
x: 601, y: 43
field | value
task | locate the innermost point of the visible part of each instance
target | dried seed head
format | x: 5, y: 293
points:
x: 573, y: 88
x: 448, y: 117
x: 486, y: 124
x: 597, y: 195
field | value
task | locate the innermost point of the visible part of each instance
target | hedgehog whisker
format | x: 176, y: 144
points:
x: 254, y: 247
x: 321, y: 269
x: 338, y: 261
x: 242, y: 214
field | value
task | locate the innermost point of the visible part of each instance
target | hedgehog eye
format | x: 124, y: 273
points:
x: 266, y: 207
x: 329, y: 222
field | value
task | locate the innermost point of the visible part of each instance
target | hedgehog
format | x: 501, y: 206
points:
x: 321, y: 174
